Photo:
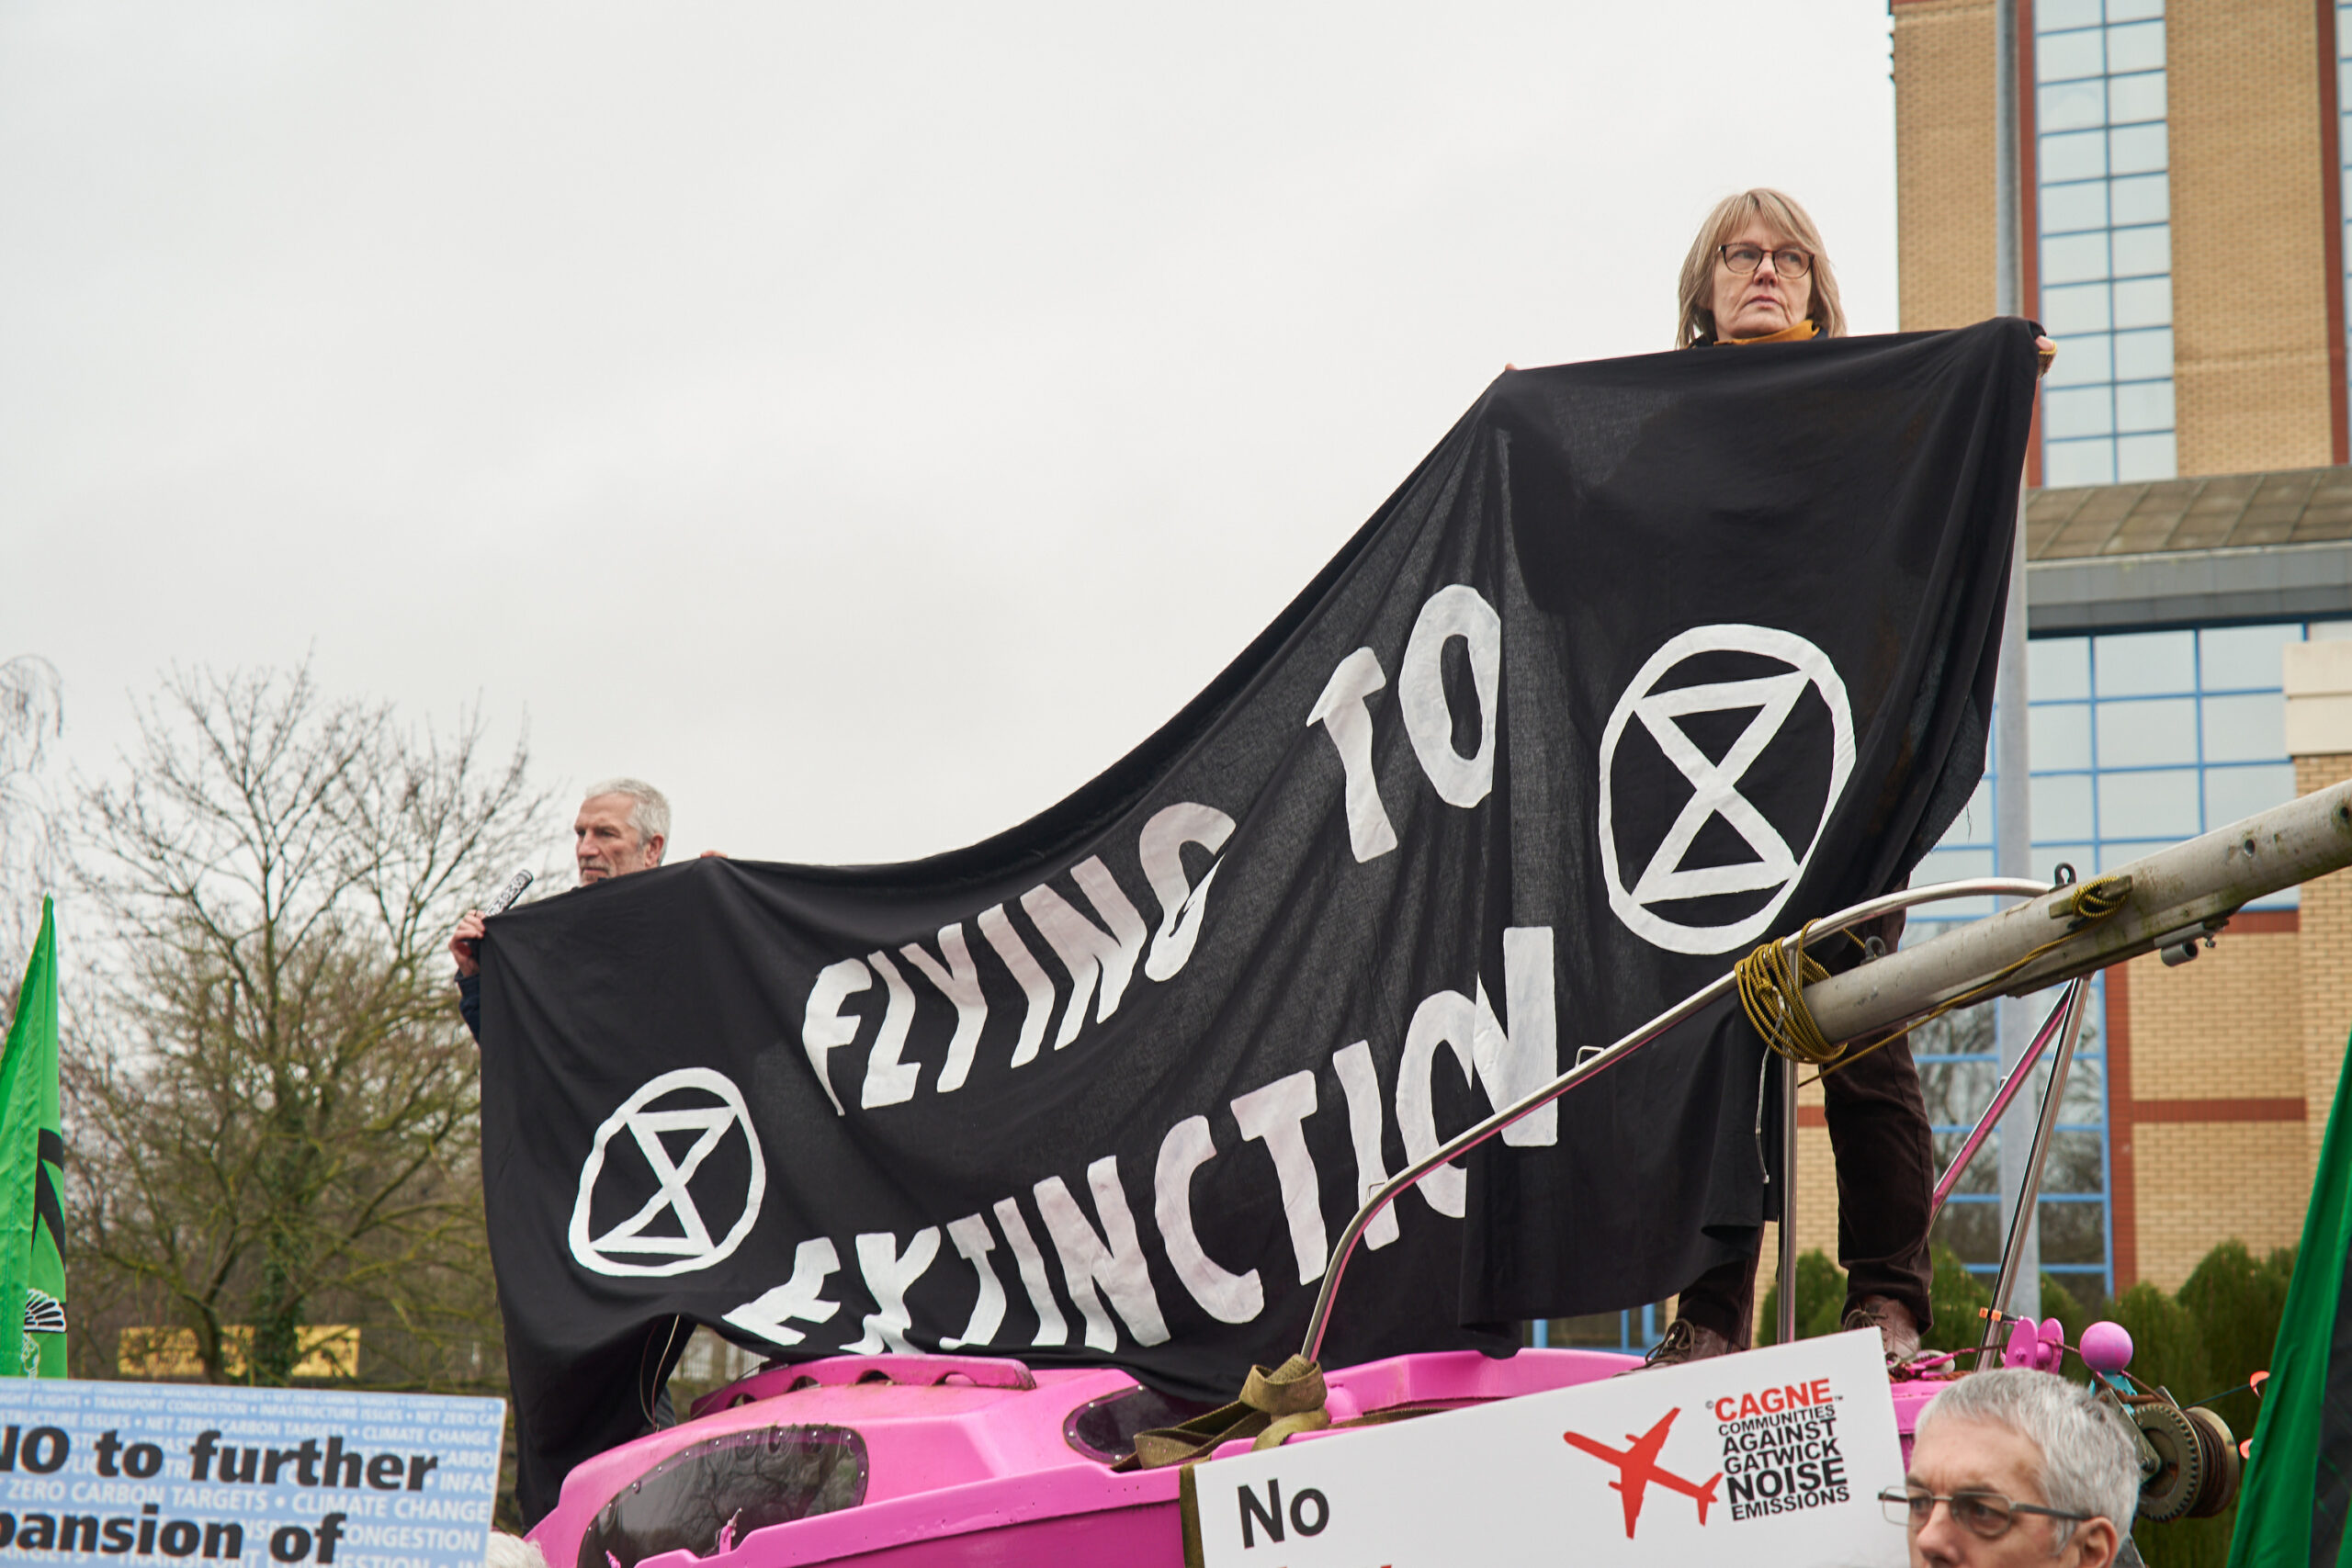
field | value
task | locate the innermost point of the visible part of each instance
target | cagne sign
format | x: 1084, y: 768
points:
x: 1776, y: 1456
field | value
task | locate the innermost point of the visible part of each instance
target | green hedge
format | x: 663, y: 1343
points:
x: 2210, y: 1336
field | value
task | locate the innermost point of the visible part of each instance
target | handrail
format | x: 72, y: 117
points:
x: 1319, y: 1322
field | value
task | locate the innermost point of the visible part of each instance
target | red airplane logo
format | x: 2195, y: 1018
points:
x: 1638, y: 1464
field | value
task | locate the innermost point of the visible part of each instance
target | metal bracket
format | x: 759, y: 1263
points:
x: 2177, y: 947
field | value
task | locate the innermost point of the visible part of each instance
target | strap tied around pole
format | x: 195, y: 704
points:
x: 1277, y: 1403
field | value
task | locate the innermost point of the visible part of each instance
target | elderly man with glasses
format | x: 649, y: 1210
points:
x: 2017, y: 1467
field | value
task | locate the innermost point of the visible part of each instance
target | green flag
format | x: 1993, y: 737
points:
x: 2298, y: 1479
x: 32, y: 1153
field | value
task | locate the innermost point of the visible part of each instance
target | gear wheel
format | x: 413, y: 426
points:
x: 2168, y: 1494
x: 2197, y: 1461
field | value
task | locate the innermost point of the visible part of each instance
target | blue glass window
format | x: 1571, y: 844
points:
x: 2139, y: 740
x: 2101, y: 156
x: 2140, y: 97
x: 2140, y: 355
x: 2156, y: 733
x: 2060, y: 734
x: 2146, y: 198
x: 1629, y: 1331
x: 1957, y: 1072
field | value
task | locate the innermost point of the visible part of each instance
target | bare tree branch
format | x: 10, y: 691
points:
x: 32, y: 713
x: 276, y: 1119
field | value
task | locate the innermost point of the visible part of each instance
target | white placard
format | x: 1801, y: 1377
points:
x: 1772, y: 1458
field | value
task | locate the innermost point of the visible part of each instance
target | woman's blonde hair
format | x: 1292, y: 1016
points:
x: 1780, y: 214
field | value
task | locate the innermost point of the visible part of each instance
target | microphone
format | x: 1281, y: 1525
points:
x: 501, y: 901
x: 504, y: 899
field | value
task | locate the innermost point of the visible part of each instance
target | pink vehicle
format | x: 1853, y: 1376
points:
x: 919, y: 1462
x: 923, y: 1462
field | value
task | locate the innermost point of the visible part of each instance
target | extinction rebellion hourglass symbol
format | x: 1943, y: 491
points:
x: 677, y: 1141
x: 1722, y: 788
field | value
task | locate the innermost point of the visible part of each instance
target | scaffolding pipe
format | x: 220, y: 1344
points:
x: 2173, y: 899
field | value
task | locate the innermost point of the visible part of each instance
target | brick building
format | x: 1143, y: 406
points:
x: 2189, y: 584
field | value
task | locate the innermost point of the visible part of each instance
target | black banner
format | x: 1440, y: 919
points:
x: 1649, y: 661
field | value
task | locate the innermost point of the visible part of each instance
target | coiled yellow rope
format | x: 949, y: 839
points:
x: 1772, y: 980
x: 1772, y: 990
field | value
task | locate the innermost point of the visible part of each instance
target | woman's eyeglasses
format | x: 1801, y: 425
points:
x: 1984, y: 1513
x: 1787, y: 262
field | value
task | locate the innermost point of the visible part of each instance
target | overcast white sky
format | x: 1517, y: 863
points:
x: 866, y: 421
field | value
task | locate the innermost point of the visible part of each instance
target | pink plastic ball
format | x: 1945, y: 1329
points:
x: 2107, y: 1347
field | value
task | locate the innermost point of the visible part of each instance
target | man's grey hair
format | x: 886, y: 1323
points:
x: 649, y: 814
x: 2090, y: 1458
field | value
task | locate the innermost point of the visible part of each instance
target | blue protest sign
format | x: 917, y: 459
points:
x: 166, y: 1473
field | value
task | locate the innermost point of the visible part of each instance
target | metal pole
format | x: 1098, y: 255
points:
x: 2013, y: 856
x: 2015, y: 1257
x: 2178, y: 894
x: 1788, y: 1227
x: 2013, y: 851
x: 2007, y: 274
